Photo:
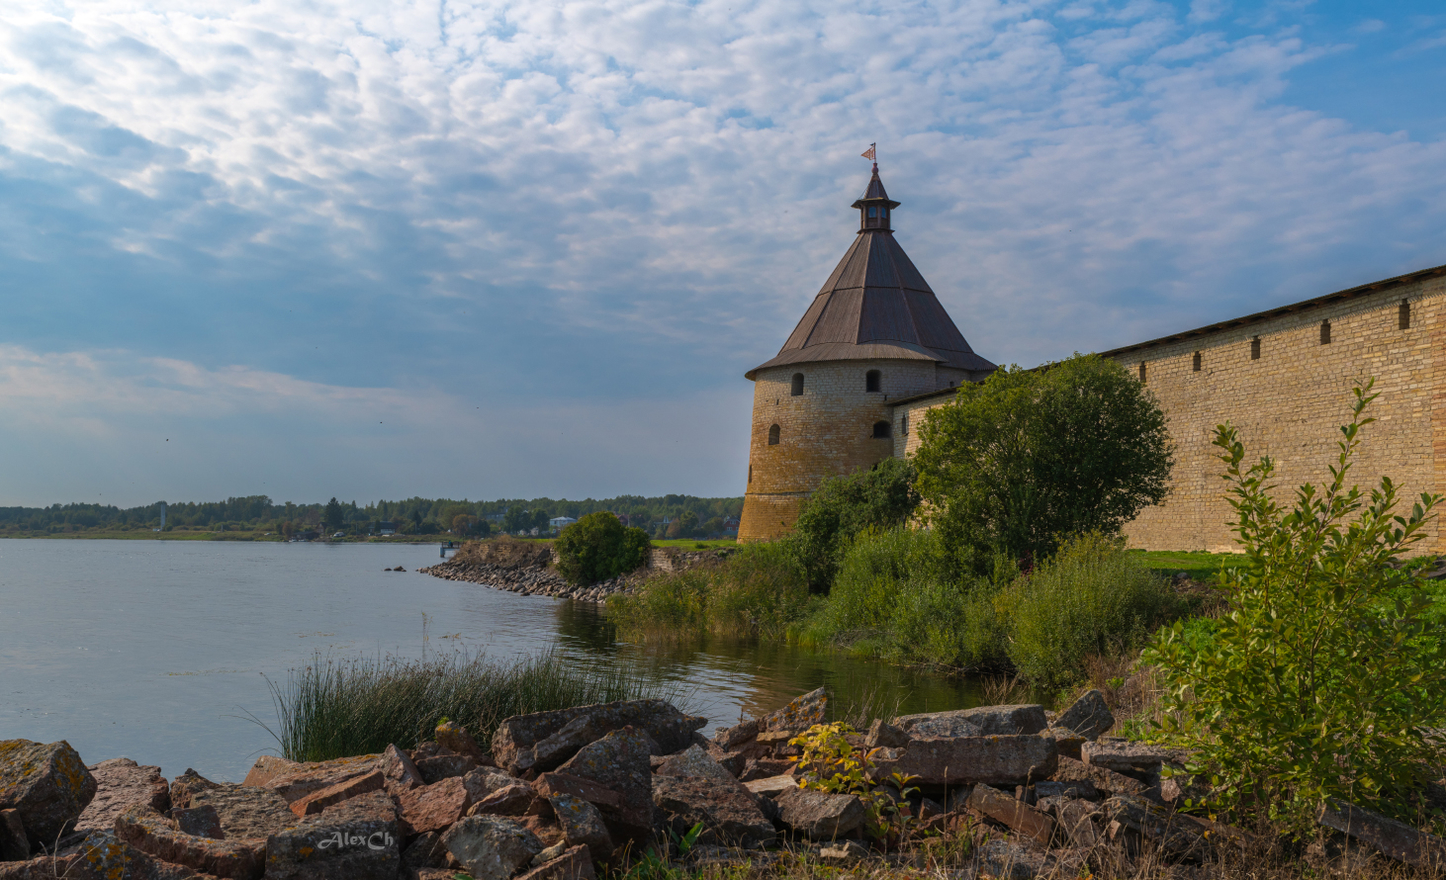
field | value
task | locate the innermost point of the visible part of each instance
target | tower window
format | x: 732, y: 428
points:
x: 1142, y: 371
x: 773, y: 435
x: 873, y: 212
x: 904, y: 424
x: 750, y: 473
x: 797, y: 385
x: 1325, y: 332
x: 1255, y: 348
x: 882, y: 430
x: 1404, y: 318
x: 872, y: 379
x: 1196, y: 367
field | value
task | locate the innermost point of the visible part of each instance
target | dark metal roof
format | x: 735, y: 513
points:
x: 942, y: 392
x: 874, y: 192
x: 876, y: 304
x: 1327, y: 299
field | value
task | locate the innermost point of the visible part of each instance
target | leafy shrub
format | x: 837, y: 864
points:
x: 828, y: 762
x: 758, y: 591
x: 897, y: 595
x: 1029, y: 457
x: 1092, y: 597
x: 878, y: 498
x: 1326, y: 676
x: 598, y: 547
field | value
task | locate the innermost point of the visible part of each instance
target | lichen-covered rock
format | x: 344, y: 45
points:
x: 728, y: 811
x: 772, y: 786
x: 514, y: 800
x: 1107, y: 781
x: 427, y: 851
x: 1015, y: 814
x: 694, y: 761
x: 104, y: 856
x: 994, y: 760
x: 244, y: 810
x: 144, y: 828
x: 561, y: 733
x: 120, y: 783
x: 1089, y: 716
x: 491, y: 847
x: 1140, y: 760
x: 820, y: 815
x: 582, y: 825
x: 885, y: 735
x: 434, y: 807
x: 989, y: 720
x: 185, y: 786
x: 357, y: 839
x: 269, y: 767
x: 801, y: 713
x: 48, y: 783
x: 39, y: 868
x: 619, y: 762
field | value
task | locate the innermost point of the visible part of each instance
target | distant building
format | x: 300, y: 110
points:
x: 559, y: 523
x: 386, y: 528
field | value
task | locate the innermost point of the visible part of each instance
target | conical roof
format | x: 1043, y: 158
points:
x: 876, y: 305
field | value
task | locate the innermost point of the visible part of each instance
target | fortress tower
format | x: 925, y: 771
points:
x: 874, y: 335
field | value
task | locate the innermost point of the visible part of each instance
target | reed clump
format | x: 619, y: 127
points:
x: 338, y: 707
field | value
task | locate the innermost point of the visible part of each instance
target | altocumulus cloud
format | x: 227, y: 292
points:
x: 541, y: 242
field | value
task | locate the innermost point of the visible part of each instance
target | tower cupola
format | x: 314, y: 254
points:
x: 875, y: 205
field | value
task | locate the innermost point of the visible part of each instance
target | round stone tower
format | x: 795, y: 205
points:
x: 874, y: 335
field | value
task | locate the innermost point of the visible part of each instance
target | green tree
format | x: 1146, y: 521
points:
x: 1327, y: 677
x: 333, y: 517
x: 1027, y: 458
x: 881, y: 497
x: 598, y: 547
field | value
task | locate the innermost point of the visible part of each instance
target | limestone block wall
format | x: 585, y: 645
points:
x: 1289, y: 401
x: 826, y: 431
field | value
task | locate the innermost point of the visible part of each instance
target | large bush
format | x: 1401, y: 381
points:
x: 1327, y: 676
x: 880, y: 497
x: 1092, y: 597
x: 598, y: 547
x: 1027, y: 458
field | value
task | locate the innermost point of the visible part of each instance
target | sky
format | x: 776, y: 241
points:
x: 517, y: 249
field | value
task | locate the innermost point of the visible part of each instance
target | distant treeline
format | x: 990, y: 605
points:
x: 665, y: 516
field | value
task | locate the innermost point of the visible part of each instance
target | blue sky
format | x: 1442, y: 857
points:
x: 497, y: 249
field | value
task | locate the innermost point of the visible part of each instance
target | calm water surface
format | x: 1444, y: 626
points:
x: 159, y: 650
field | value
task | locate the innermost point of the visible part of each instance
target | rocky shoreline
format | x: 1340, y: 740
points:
x: 997, y: 791
x: 528, y: 570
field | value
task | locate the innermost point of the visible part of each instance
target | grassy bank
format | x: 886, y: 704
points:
x: 335, y: 708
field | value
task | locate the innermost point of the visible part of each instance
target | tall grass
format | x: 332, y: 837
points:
x: 759, y: 591
x: 1092, y: 598
x: 336, y: 708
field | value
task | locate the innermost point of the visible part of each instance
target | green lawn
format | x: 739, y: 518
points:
x: 695, y: 544
x: 1200, y: 566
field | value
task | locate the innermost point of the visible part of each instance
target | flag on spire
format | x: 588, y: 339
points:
x: 870, y: 152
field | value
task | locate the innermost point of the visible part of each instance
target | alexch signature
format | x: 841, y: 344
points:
x: 376, y: 840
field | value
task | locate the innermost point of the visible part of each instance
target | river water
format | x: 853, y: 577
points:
x: 160, y: 651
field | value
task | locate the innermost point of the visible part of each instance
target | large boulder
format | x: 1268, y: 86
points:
x: 574, y: 864
x: 491, y: 847
x: 1015, y: 814
x: 1108, y: 781
x: 267, y: 768
x: 244, y: 810
x: 994, y: 760
x: 105, y: 856
x: 434, y: 807
x: 820, y: 815
x: 357, y: 839
x: 1089, y: 716
x: 187, y: 785
x: 545, y: 740
x: 121, y: 783
x: 304, y: 779
x: 1400, y: 841
x: 454, y: 737
x: 694, y: 762
x: 14, y: 845
x: 728, y: 811
x: 147, y: 830
x: 48, y: 783
x: 990, y: 721
x: 400, y: 772
x: 319, y: 800
x: 619, y: 763
x: 1007, y: 860
x: 1175, y: 835
x: 1140, y: 760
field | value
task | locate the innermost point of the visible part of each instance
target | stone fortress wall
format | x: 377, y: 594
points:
x: 1285, y: 383
x: 826, y: 431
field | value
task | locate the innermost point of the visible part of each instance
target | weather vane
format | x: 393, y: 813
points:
x: 871, y: 153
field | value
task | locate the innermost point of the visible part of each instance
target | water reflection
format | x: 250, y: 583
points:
x: 731, y: 678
